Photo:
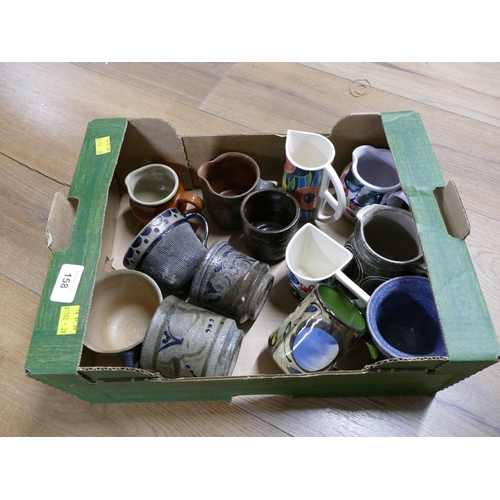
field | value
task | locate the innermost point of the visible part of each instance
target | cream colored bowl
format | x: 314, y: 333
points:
x: 123, y: 304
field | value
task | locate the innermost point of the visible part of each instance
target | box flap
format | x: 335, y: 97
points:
x: 152, y: 140
x: 57, y: 338
x: 461, y: 306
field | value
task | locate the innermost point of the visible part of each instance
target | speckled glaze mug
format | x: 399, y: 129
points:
x: 168, y: 249
x: 231, y: 283
x: 403, y: 320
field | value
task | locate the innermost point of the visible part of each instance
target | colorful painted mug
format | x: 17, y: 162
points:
x: 317, y: 335
x: 371, y: 178
x: 308, y: 173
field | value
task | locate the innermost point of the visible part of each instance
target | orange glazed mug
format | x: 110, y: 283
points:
x: 154, y: 188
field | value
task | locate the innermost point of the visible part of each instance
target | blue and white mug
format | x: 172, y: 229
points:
x: 168, y: 249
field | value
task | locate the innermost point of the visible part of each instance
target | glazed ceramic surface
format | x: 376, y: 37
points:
x: 313, y: 257
x: 168, y: 249
x: 384, y: 244
x: 270, y: 219
x: 154, y: 188
x: 307, y: 175
x: 371, y: 178
x: 225, y: 181
x: 231, y: 283
x: 123, y: 303
x: 184, y: 340
x: 320, y: 331
x: 403, y: 320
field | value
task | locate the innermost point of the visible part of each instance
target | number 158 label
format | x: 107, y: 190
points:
x: 67, y: 283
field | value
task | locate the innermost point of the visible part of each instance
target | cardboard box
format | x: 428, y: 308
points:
x: 91, y: 229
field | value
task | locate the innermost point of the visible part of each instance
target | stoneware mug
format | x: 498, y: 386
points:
x: 371, y: 178
x: 231, y: 283
x: 225, y: 181
x: 123, y: 303
x: 270, y: 219
x: 403, y: 320
x: 308, y: 174
x: 168, y: 249
x: 385, y: 244
x: 154, y: 188
x: 184, y: 340
x: 317, y: 335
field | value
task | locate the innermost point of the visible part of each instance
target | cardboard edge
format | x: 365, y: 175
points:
x: 452, y: 210
x: 60, y: 222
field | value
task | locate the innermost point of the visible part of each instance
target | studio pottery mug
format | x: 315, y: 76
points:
x: 307, y: 174
x: 123, y: 303
x: 270, y: 219
x: 317, y: 335
x: 403, y: 320
x: 184, y: 340
x: 168, y: 249
x: 231, y: 283
x: 154, y: 188
x: 385, y: 244
x: 371, y: 178
x: 225, y: 181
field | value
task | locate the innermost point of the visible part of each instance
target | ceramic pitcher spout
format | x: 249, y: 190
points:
x: 307, y: 150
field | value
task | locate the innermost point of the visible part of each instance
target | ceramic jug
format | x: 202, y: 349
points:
x: 308, y: 173
x: 371, y: 178
x: 225, y: 182
x: 385, y: 244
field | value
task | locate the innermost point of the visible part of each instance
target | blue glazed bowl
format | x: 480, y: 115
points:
x: 403, y: 319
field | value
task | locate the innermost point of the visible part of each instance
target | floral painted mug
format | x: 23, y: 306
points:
x: 371, y: 178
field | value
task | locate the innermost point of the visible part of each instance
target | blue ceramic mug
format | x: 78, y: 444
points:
x: 403, y: 320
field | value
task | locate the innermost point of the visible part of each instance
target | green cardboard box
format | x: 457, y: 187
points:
x: 89, y: 231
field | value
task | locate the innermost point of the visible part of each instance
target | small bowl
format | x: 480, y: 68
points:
x: 123, y: 304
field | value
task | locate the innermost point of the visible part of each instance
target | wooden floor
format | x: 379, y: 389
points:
x: 44, y: 111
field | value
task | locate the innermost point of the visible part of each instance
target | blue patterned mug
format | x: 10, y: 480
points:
x: 184, y: 340
x: 168, y: 249
x: 231, y: 283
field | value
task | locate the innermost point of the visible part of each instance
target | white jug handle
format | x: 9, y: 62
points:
x: 363, y: 297
x: 338, y: 205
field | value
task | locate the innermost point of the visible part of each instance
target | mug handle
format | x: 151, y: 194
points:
x: 182, y: 199
x: 262, y: 184
x: 363, y: 297
x: 397, y: 199
x: 188, y: 215
x: 325, y: 196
